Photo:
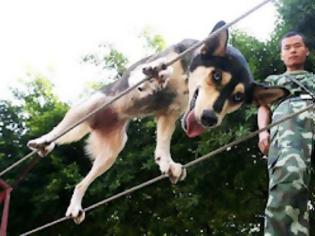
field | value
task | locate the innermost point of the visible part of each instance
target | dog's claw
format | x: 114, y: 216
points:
x: 151, y: 71
x: 156, y: 70
x: 76, y: 213
x: 80, y: 218
x: 42, y: 147
x: 159, y: 74
x: 177, y: 173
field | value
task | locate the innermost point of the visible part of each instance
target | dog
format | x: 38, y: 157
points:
x: 206, y: 84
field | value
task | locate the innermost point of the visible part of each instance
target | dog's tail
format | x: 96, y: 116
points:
x: 75, y: 134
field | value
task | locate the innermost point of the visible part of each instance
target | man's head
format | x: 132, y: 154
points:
x: 293, y: 51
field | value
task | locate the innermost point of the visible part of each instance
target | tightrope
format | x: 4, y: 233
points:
x: 187, y: 165
x: 18, y: 163
x: 213, y: 34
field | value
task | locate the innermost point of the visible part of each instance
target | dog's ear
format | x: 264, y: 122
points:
x: 216, y: 46
x: 264, y: 95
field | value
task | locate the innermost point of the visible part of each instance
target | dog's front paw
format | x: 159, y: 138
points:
x: 153, y: 68
x: 176, y: 172
x: 159, y: 71
x: 164, y: 76
x: 76, y: 213
x: 40, y: 145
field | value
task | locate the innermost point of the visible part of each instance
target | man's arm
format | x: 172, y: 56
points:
x: 263, y: 119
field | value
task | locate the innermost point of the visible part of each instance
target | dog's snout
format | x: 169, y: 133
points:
x: 209, y: 118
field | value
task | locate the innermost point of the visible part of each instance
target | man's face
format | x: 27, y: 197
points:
x: 293, y: 51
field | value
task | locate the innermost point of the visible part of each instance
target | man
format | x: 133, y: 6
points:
x: 290, y: 144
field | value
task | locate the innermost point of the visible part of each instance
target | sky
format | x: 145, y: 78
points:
x: 51, y: 36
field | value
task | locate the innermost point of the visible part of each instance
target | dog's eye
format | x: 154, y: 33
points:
x: 237, y: 97
x: 216, y: 75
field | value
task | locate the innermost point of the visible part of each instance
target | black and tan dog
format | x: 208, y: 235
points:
x: 209, y: 82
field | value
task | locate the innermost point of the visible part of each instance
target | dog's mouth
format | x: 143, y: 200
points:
x: 191, y: 125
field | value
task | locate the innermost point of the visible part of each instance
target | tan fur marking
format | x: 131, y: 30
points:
x: 226, y: 78
x: 230, y: 106
x: 240, y: 88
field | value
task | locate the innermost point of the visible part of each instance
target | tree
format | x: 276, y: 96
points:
x: 225, y: 195
x: 36, y: 110
x: 298, y: 15
x: 108, y: 58
x: 152, y: 43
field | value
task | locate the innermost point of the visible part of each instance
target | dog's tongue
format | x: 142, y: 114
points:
x: 193, y: 127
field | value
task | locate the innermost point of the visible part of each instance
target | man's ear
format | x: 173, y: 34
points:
x: 216, y: 46
x: 264, y: 95
x: 281, y: 57
x: 307, y: 52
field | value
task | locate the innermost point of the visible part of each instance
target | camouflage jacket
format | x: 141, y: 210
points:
x: 304, y: 77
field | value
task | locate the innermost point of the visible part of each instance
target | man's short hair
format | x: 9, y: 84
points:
x: 294, y: 33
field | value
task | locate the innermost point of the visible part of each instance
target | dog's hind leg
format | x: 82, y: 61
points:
x: 73, y: 115
x: 104, y: 148
x: 165, y: 129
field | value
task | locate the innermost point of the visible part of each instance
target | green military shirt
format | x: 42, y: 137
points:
x: 304, y: 77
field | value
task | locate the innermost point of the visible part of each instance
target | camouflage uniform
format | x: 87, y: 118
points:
x: 289, y: 161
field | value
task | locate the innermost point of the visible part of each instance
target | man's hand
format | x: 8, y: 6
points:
x: 264, y: 142
x: 263, y: 119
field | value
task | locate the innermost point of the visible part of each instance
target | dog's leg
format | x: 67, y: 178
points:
x: 105, y: 149
x: 165, y: 128
x: 72, y: 116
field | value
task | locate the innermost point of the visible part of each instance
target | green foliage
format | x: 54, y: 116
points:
x: 108, y: 58
x: 224, y: 195
x: 263, y: 57
x: 153, y: 43
x: 35, y: 111
x: 298, y: 15
x: 117, y: 60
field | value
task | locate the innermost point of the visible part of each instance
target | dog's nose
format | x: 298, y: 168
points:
x: 209, y: 118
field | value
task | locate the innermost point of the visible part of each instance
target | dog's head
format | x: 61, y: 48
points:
x: 219, y: 83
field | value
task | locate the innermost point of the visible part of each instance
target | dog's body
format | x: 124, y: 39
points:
x: 213, y: 79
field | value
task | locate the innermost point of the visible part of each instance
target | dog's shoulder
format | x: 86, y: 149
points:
x: 183, y: 46
x: 122, y: 84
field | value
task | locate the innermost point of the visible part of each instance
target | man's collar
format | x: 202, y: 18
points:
x: 295, y: 72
